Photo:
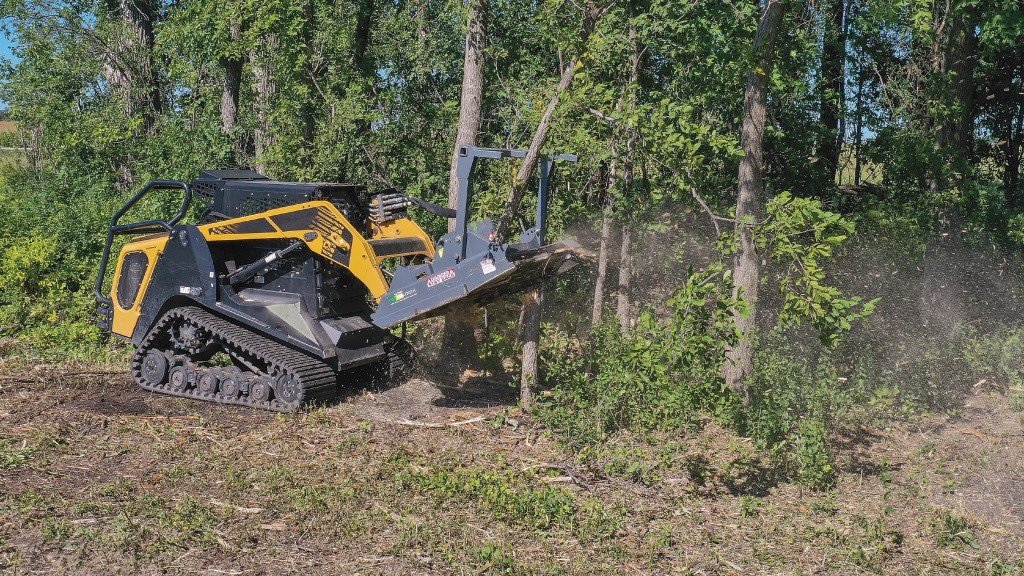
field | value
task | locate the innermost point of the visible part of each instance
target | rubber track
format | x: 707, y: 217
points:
x: 317, y: 380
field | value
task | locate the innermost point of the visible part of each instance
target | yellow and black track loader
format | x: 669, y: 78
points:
x: 278, y: 295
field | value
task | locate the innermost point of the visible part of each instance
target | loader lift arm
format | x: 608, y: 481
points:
x: 326, y: 231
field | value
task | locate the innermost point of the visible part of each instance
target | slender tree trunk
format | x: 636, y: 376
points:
x: 540, y: 135
x: 833, y: 58
x: 1011, y: 171
x: 625, y: 271
x: 529, y: 164
x: 532, y: 312
x: 307, y: 110
x: 628, y: 174
x: 859, y: 128
x: 602, y: 260
x: 739, y: 365
x: 459, y: 335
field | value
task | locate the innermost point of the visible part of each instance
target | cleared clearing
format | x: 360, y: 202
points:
x: 99, y: 477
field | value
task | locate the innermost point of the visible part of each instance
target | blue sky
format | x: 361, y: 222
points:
x: 5, y: 45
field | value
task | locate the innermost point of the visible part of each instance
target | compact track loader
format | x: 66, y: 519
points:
x: 278, y: 294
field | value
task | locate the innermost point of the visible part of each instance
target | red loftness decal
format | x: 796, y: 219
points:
x: 441, y: 277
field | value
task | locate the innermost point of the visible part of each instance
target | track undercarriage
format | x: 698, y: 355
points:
x: 183, y: 353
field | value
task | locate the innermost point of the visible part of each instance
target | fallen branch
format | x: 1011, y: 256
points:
x: 406, y: 422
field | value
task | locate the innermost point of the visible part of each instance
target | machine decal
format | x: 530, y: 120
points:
x: 441, y: 277
x: 401, y: 295
x: 260, y: 226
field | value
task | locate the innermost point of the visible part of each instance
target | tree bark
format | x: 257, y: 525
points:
x: 360, y: 48
x: 265, y: 85
x: 231, y: 93
x: 134, y: 71
x: 540, y: 136
x: 832, y: 90
x: 470, y: 107
x: 954, y: 56
x: 532, y: 313
x: 459, y: 336
x: 307, y: 110
x: 602, y: 261
x: 628, y: 173
x: 750, y: 201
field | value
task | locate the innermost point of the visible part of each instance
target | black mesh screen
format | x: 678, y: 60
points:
x: 133, y: 269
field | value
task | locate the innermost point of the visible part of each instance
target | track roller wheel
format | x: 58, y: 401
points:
x: 229, y: 386
x: 260, y: 390
x: 287, y: 389
x: 180, y: 379
x: 207, y: 383
x: 154, y: 367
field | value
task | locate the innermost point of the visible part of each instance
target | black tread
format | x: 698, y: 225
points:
x: 317, y: 381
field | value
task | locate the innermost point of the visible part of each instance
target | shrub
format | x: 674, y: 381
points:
x: 659, y: 375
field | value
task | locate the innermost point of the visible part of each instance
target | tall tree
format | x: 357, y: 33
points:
x: 459, y: 336
x: 265, y: 85
x: 832, y: 89
x: 602, y: 255
x: 954, y: 52
x: 592, y: 14
x: 231, y: 63
x: 628, y: 171
x: 132, y: 68
x: 750, y: 198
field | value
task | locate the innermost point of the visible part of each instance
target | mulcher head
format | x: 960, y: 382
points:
x: 471, y: 266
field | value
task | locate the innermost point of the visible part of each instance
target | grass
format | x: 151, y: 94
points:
x: 162, y: 485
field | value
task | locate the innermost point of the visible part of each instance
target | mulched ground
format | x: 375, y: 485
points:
x: 99, y: 477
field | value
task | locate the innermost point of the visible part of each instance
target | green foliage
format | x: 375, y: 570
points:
x: 998, y: 357
x: 508, y: 495
x: 658, y: 376
x: 815, y: 465
x: 801, y: 234
x: 952, y: 530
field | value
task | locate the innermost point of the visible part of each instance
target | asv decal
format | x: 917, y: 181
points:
x: 440, y: 277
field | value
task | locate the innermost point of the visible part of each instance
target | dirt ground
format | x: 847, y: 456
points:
x: 99, y: 477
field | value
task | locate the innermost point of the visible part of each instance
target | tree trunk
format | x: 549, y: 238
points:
x: 307, y: 109
x: 472, y: 94
x: 832, y: 89
x: 265, y: 85
x: 954, y: 56
x: 133, y: 70
x: 602, y: 260
x: 628, y: 173
x: 1011, y: 171
x: 533, y: 305
x: 459, y: 337
x: 622, y: 310
x: 859, y: 127
x: 230, y: 96
x: 739, y: 364
x: 364, y: 23
x: 540, y: 136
